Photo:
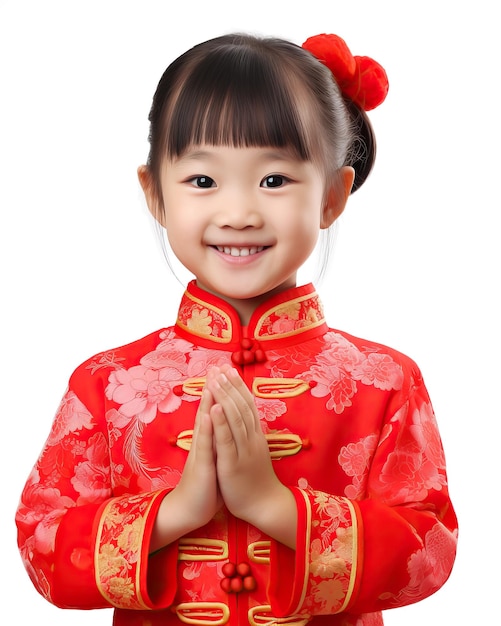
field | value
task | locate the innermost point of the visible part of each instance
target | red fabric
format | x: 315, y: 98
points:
x: 74, y: 572
x: 351, y: 432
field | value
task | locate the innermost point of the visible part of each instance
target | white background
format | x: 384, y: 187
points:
x: 416, y: 263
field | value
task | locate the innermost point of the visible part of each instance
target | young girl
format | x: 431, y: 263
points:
x: 247, y: 465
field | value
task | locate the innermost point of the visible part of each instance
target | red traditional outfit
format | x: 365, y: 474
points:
x: 351, y: 432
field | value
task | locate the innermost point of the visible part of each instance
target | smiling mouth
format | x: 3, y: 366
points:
x: 240, y: 251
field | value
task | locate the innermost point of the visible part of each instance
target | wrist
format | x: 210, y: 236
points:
x: 174, y: 520
x: 276, y: 515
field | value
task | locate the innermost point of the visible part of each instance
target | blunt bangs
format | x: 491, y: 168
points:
x: 237, y: 96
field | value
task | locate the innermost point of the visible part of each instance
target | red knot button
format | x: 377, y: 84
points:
x: 237, y: 578
x: 251, y: 352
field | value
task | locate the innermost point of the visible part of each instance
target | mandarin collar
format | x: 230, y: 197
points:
x: 292, y: 316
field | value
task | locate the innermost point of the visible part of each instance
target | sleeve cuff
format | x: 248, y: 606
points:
x: 123, y: 565
x: 325, y: 567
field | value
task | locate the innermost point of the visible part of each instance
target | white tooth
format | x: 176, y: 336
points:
x: 234, y: 251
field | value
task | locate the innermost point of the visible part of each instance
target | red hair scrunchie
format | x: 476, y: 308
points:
x: 361, y: 79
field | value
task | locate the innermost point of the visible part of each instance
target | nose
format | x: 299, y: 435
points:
x: 239, y: 209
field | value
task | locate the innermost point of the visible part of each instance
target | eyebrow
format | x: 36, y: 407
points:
x: 277, y: 154
x: 193, y: 156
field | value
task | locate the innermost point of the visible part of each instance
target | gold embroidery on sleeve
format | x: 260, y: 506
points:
x: 117, y: 557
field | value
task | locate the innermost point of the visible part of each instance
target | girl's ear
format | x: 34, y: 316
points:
x: 337, y: 196
x: 155, y: 204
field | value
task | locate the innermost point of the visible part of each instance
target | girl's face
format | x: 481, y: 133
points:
x: 243, y: 220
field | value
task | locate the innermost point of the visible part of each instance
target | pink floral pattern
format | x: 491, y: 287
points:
x: 340, y: 364
x: 43, y: 504
x: 355, y: 459
x: 142, y: 391
x: 433, y: 562
x: 270, y: 410
x: 92, y: 474
x: 42, y: 507
x: 145, y: 391
x: 71, y: 416
x: 416, y: 465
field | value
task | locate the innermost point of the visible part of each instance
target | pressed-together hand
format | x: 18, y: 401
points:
x: 198, y: 484
x: 247, y: 481
x: 196, y: 499
x: 229, y: 461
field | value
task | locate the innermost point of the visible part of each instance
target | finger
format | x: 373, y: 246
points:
x: 237, y: 381
x: 204, y: 439
x: 203, y: 424
x: 206, y: 401
x: 212, y: 373
x: 223, y: 435
x: 235, y: 409
x: 241, y: 398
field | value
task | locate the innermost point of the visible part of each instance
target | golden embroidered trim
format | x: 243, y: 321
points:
x: 307, y: 543
x: 308, y: 325
x: 354, y: 559
x: 203, y: 613
x: 227, y: 338
x: 278, y: 387
x: 202, y: 549
x: 118, y: 550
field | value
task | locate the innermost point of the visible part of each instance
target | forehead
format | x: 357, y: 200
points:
x: 251, y: 109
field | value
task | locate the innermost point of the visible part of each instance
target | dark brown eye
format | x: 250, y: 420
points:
x: 273, y: 181
x: 204, y: 182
